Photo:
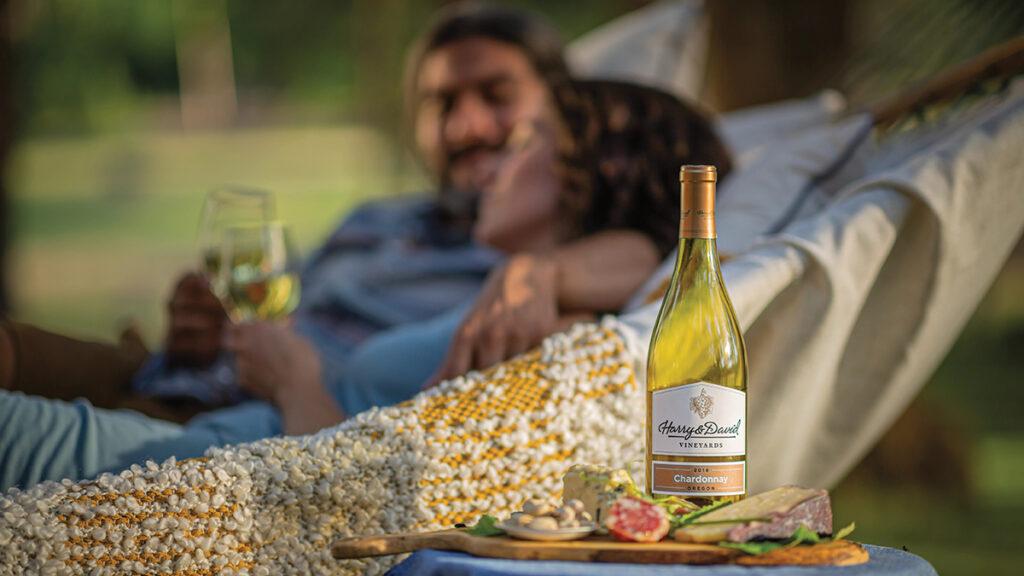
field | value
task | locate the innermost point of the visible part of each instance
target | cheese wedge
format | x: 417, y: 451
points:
x: 597, y: 487
x: 780, y: 512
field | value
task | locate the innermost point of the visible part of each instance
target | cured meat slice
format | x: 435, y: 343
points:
x: 635, y: 520
x: 782, y: 511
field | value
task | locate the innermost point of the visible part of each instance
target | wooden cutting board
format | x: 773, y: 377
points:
x: 596, y: 549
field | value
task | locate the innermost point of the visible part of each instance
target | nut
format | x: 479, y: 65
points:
x: 565, y: 514
x: 576, y: 504
x: 544, y: 523
x: 522, y: 518
x: 537, y: 507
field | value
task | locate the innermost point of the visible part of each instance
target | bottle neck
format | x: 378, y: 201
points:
x: 698, y: 253
x: 697, y: 246
x: 697, y: 203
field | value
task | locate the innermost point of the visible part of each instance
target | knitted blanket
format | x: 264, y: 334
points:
x: 477, y: 444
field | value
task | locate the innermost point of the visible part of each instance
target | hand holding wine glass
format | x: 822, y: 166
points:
x: 260, y: 280
x: 195, y: 314
x: 278, y: 365
x: 195, y: 325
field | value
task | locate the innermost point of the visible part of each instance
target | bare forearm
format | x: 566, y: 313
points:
x: 602, y: 271
x: 309, y: 411
x: 535, y: 294
x: 311, y: 415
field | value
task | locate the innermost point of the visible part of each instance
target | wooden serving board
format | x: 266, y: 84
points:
x: 596, y: 549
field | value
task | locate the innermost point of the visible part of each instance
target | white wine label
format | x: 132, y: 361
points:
x: 699, y: 478
x: 699, y: 419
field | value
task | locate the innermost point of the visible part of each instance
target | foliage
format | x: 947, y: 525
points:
x: 802, y: 535
x: 486, y: 526
x: 110, y: 65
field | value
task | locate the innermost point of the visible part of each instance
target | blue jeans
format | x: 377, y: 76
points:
x: 43, y: 439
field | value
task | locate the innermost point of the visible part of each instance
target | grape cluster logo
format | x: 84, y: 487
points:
x: 702, y: 404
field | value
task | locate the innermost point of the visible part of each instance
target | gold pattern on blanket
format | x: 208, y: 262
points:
x: 517, y: 385
x: 481, y: 443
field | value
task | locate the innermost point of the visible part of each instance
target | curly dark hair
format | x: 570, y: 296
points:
x: 529, y: 32
x: 620, y: 163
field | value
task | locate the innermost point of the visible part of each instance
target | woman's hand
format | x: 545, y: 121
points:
x: 278, y: 365
x: 535, y: 295
x: 272, y: 361
x: 195, y: 324
x: 517, y: 308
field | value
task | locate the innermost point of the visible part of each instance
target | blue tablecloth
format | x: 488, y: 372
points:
x: 884, y: 561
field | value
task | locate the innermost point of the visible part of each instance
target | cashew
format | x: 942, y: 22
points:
x: 544, y: 523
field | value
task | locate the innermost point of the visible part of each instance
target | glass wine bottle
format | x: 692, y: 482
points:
x: 696, y: 367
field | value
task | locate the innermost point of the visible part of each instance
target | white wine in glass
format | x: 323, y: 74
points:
x: 259, y: 272
x: 223, y: 208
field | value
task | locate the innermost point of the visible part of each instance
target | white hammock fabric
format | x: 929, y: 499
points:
x: 664, y: 45
x: 848, y: 310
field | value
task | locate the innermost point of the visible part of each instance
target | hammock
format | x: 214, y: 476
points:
x: 848, y: 299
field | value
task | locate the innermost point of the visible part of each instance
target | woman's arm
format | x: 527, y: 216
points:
x: 278, y: 365
x: 534, y: 295
x: 309, y: 410
x: 600, y: 272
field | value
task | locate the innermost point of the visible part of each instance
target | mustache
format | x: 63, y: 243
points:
x: 460, y: 153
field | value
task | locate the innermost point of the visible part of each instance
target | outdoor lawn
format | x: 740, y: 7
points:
x: 978, y: 386
x: 103, y: 225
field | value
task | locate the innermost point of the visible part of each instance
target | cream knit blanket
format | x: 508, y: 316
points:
x: 478, y: 444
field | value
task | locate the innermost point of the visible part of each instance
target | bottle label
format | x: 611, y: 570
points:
x: 697, y: 214
x: 699, y: 478
x: 697, y: 223
x: 699, y: 419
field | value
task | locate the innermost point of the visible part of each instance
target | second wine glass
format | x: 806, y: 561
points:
x: 259, y: 272
x: 224, y: 208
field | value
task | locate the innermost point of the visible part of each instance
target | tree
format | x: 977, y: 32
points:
x: 767, y: 50
x: 6, y: 136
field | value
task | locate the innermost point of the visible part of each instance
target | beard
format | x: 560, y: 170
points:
x: 466, y: 173
x: 473, y: 168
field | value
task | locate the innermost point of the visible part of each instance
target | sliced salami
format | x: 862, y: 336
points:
x: 634, y: 520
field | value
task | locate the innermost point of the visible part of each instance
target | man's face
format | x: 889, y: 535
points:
x: 470, y: 95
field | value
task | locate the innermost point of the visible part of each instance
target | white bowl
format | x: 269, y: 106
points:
x: 561, y: 534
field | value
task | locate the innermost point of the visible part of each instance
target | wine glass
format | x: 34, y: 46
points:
x: 223, y: 208
x: 259, y: 272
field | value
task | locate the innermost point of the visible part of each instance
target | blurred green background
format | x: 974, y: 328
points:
x: 125, y: 113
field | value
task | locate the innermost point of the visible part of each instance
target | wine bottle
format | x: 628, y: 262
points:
x: 696, y: 366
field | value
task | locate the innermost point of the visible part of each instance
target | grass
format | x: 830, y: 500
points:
x: 103, y: 225
x: 981, y: 539
x: 978, y: 386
